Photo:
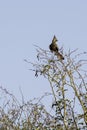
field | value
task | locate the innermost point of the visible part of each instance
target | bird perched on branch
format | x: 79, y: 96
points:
x: 54, y: 48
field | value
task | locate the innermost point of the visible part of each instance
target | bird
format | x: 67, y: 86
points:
x: 53, y: 46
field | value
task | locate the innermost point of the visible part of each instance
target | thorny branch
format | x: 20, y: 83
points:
x: 64, y: 77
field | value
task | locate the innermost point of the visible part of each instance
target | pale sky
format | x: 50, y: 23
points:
x: 27, y: 22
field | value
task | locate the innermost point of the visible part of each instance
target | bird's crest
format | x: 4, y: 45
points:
x: 54, y: 39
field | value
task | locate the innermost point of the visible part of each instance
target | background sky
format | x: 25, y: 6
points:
x: 27, y: 22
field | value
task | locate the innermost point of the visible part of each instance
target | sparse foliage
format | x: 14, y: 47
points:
x: 68, y: 82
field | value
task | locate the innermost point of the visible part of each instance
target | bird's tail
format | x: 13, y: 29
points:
x: 60, y: 56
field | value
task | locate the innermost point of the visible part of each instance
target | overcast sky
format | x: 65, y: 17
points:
x: 27, y: 22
